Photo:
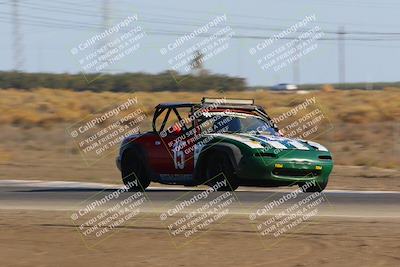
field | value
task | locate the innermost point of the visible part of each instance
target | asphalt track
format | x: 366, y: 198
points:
x: 42, y: 195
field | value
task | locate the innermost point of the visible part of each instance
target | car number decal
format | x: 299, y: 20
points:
x: 179, y: 156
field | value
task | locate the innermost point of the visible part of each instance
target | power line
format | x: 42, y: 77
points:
x: 252, y: 16
x: 45, y: 22
x: 78, y: 12
x: 356, y: 4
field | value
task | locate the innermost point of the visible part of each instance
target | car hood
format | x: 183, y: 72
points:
x: 257, y: 141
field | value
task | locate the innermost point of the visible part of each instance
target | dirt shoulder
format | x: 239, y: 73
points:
x: 364, y: 178
x: 50, y: 239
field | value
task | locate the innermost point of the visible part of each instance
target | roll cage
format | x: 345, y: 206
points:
x: 196, y: 108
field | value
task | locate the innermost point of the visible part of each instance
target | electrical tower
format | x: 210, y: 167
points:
x: 17, y: 42
x: 106, y: 14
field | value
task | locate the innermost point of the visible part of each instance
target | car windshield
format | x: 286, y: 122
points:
x: 236, y: 123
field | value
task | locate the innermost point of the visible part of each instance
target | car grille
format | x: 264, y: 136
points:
x: 325, y: 157
x: 296, y: 172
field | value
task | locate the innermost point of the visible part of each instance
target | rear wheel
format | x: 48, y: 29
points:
x: 133, y: 171
x: 220, y: 174
x: 318, y: 187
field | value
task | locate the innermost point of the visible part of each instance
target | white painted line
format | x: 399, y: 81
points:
x: 40, y: 183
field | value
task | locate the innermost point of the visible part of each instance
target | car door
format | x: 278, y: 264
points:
x: 170, y: 154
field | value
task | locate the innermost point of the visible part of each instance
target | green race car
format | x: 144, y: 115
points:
x: 224, y: 143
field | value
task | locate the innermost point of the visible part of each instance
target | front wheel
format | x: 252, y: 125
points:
x: 220, y: 174
x: 134, y: 174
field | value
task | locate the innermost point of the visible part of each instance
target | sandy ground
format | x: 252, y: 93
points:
x: 49, y: 238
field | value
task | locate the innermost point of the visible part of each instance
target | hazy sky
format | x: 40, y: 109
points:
x: 50, y: 29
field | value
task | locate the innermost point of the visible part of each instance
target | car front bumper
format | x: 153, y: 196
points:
x: 287, y: 170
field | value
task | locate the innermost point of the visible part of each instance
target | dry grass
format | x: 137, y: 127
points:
x: 365, y: 124
x: 49, y: 106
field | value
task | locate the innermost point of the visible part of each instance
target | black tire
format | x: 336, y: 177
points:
x: 319, y: 187
x: 219, y: 168
x: 132, y: 170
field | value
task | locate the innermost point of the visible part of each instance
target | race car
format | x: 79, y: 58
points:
x: 222, y: 143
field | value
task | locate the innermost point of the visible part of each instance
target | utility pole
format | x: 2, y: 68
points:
x: 105, y: 8
x: 17, y: 42
x: 106, y: 14
x: 341, y: 55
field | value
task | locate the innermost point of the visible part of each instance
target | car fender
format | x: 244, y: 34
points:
x: 142, y: 152
x: 232, y: 151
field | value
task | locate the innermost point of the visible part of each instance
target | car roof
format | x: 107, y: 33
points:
x: 233, y: 106
x: 192, y: 104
